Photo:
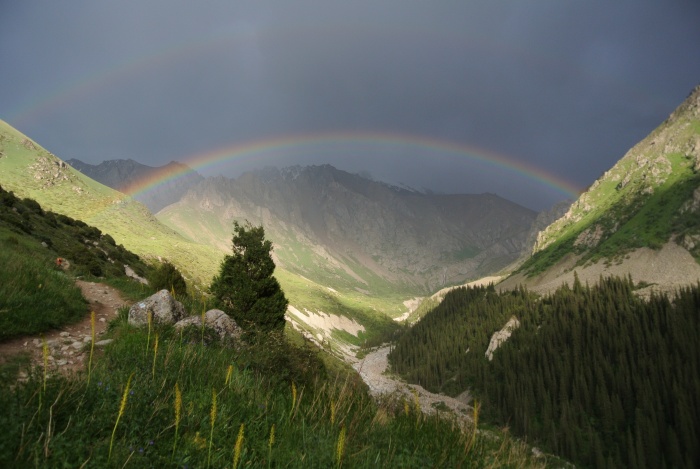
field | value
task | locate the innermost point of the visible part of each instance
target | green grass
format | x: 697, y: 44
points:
x: 74, y: 424
x: 75, y: 195
x: 34, y: 295
x: 629, y: 215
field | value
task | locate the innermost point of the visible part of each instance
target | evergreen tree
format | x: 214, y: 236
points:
x: 245, y: 287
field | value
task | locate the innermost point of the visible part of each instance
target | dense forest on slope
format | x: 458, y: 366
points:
x: 594, y: 374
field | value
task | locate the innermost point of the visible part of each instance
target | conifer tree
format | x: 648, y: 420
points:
x: 245, y: 287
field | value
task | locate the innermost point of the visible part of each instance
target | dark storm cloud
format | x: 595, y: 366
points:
x: 564, y: 86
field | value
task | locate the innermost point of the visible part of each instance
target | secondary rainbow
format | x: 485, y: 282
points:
x: 433, y: 148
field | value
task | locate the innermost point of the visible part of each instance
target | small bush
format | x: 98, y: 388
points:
x: 169, y: 278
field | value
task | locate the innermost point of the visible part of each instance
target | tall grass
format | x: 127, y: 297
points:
x: 159, y: 421
x: 34, y: 296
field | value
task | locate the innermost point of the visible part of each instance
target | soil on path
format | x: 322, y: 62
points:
x: 69, y: 346
x: 373, y: 370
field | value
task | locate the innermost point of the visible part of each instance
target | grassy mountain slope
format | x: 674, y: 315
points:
x: 651, y: 197
x: 31, y: 171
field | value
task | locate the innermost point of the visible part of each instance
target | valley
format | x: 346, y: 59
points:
x: 408, y: 288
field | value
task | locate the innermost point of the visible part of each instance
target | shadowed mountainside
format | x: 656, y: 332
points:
x: 128, y: 175
x: 343, y: 229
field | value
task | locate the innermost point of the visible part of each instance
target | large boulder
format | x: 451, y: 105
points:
x: 165, y: 309
x: 217, y: 320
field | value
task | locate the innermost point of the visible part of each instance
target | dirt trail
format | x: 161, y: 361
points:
x: 69, y: 346
x: 373, y: 369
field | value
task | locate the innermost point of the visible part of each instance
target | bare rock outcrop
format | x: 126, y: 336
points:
x: 216, y: 320
x: 164, y: 308
x: 501, y: 336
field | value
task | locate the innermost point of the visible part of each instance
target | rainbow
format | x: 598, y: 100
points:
x: 378, y: 140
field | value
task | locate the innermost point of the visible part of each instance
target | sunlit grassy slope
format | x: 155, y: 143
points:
x: 31, y: 171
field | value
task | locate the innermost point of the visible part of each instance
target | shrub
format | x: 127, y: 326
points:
x: 169, y: 278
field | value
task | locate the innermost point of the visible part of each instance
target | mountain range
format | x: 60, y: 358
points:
x: 344, y: 229
x: 129, y: 176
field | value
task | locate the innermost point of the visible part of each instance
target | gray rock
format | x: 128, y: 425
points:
x: 77, y: 345
x: 217, y: 320
x: 165, y: 309
x: 61, y: 362
x: 104, y: 342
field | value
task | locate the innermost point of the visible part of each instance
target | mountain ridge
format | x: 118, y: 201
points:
x: 329, y: 213
x: 129, y: 175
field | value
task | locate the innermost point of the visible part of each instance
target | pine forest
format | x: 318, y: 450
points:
x: 595, y: 374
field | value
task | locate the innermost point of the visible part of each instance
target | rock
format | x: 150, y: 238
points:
x: 217, y: 320
x: 104, y: 342
x: 130, y: 273
x: 64, y: 334
x: 61, y: 362
x: 501, y: 336
x: 165, y: 309
x: 77, y: 345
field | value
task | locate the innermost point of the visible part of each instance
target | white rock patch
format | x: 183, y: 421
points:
x: 501, y: 336
x: 326, y: 322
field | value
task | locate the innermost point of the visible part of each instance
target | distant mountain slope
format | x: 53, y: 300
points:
x: 346, y: 231
x: 31, y: 171
x: 646, y: 209
x: 126, y: 175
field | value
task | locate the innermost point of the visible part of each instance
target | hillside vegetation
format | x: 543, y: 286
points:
x: 650, y: 197
x: 594, y: 374
x: 32, y: 172
x: 37, y: 248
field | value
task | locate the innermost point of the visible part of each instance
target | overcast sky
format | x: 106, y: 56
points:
x: 562, y: 88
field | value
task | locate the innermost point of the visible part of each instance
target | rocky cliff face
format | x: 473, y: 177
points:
x: 363, y: 228
x: 129, y: 175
